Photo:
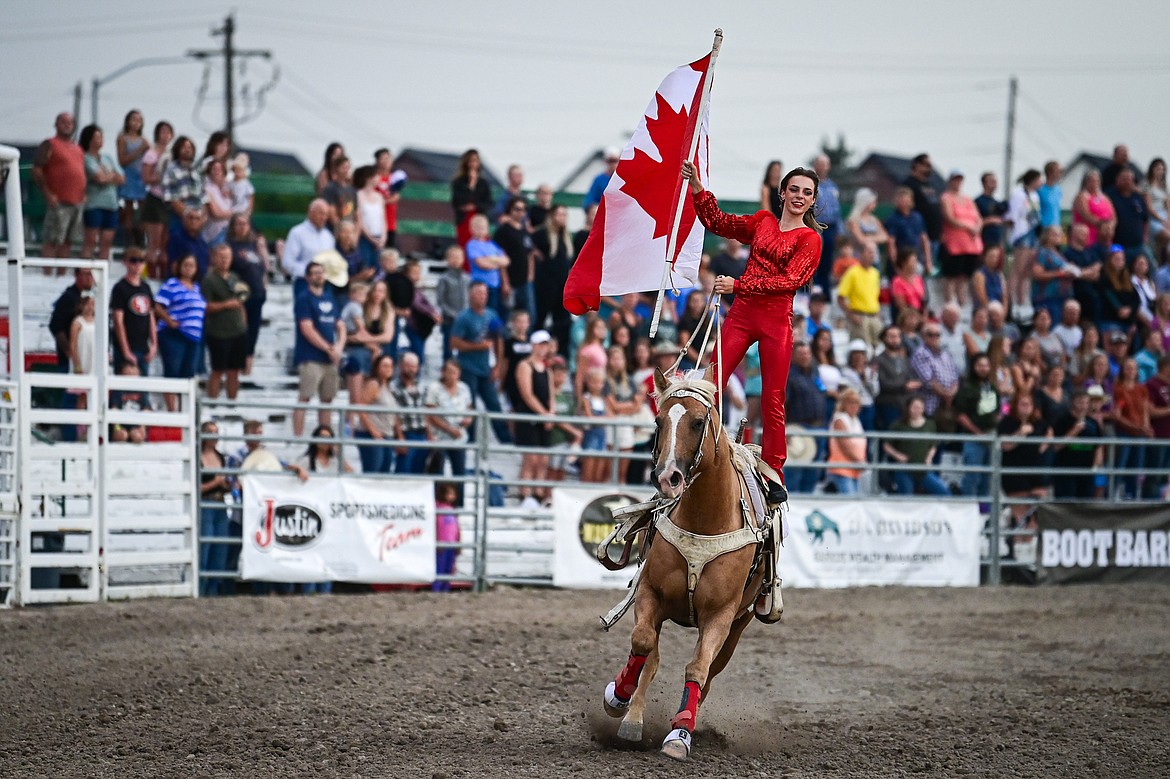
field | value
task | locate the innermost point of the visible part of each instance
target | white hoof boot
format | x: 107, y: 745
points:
x: 630, y: 731
x: 677, y: 744
x: 614, y: 706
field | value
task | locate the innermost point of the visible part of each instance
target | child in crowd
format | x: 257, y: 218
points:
x: 846, y: 258
x: 423, y: 314
x: 446, y: 531
x: 359, y: 348
x: 242, y: 191
x: 593, y: 404
x: 566, y: 438
x: 129, y: 400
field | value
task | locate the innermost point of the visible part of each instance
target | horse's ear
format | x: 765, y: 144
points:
x: 660, y: 382
x: 709, y: 374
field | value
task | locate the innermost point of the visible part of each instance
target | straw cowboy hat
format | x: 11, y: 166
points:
x: 336, y: 268
x: 802, y: 447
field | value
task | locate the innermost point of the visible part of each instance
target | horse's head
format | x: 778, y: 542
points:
x: 686, y: 430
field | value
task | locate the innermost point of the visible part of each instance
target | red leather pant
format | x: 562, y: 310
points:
x: 768, y: 320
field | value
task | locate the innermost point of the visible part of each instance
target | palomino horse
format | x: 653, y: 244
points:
x: 707, y: 575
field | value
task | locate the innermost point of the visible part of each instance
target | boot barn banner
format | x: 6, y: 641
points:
x: 1104, y: 543
x: 852, y: 543
x: 337, y: 529
x: 584, y: 518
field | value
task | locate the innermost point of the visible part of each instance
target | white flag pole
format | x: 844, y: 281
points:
x: 684, y: 188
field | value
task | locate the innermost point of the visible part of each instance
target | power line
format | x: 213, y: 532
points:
x: 311, y: 92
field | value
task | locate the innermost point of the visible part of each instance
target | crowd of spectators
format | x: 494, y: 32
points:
x: 1036, y: 326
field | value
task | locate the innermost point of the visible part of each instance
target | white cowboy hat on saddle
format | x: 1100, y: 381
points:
x: 802, y: 448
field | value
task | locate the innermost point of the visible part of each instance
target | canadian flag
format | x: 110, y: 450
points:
x: 627, y: 246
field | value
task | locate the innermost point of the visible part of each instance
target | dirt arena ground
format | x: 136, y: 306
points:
x: 1006, y: 682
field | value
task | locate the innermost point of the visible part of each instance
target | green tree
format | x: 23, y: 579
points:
x: 839, y: 154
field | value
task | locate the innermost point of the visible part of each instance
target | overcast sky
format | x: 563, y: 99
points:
x: 544, y: 83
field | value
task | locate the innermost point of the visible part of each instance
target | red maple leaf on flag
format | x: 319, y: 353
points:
x: 655, y: 185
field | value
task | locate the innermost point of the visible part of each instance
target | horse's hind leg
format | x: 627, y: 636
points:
x: 726, y: 651
x: 631, y: 727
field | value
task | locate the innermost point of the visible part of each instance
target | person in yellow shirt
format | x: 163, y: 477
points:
x: 857, y: 295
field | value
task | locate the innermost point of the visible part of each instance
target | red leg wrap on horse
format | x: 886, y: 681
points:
x: 627, y: 681
x: 689, y: 708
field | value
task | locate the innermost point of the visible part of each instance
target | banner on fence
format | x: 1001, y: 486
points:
x: 1104, y: 543
x: 583, y: 518
x: 337, y: 529
x: 860, y: 543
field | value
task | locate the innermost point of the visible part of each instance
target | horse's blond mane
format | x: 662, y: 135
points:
x: 682, y: 382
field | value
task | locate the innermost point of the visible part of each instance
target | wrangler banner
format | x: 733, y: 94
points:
x: 854, y: 543
x: 1104, y: 543
x: 337, y: 529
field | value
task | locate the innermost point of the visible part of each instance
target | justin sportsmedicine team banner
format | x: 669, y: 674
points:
x: 337, y: 529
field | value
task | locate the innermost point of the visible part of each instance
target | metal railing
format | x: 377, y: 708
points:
x: 481, y: 482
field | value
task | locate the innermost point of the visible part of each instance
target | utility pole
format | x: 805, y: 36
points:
x: 229, y: 52
x: 1009, y: 147
x: 77, y: 109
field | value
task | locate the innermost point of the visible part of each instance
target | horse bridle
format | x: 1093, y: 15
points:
x: 708, y: 425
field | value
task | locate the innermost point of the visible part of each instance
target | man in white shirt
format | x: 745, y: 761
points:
x: 306, y: 241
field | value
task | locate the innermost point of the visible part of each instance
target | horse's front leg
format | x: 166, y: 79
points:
x: 713, y: 633
x: 631, y: 727
x: 625, y: 696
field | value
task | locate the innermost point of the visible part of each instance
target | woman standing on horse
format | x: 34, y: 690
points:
x: 784, y: 256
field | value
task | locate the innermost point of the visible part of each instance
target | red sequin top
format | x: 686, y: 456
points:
x: 779, y: 261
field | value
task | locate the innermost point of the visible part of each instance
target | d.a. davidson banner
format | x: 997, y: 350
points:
x: 1104, y: 543
x: 337, y: 529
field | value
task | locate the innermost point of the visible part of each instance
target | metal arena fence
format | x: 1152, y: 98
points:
x: 508, y: 544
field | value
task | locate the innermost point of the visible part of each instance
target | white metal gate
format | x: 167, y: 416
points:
x: 83, y: 518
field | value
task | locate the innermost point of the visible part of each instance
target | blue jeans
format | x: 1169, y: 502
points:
x: 444, y: 564
x: 844, y: 484
x: 524, y: 299
x: 886, y: 415
x: 823, y: 276
x: 310, y: 588
x: 213, y: 556
x: 904, y: 483
x: 180, y: 355
x: 375, y: 458
x: 975, y: 453
x: 445, y: 329
x: 413, y: 460
x: 801, y: 479
x: 484, y: 388
x: 1157, y: 459
x: 457, y: 457
x: 1054, y: 307
x: 1131, y: 459
x: 140, y: 358
x: 867, y: 416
